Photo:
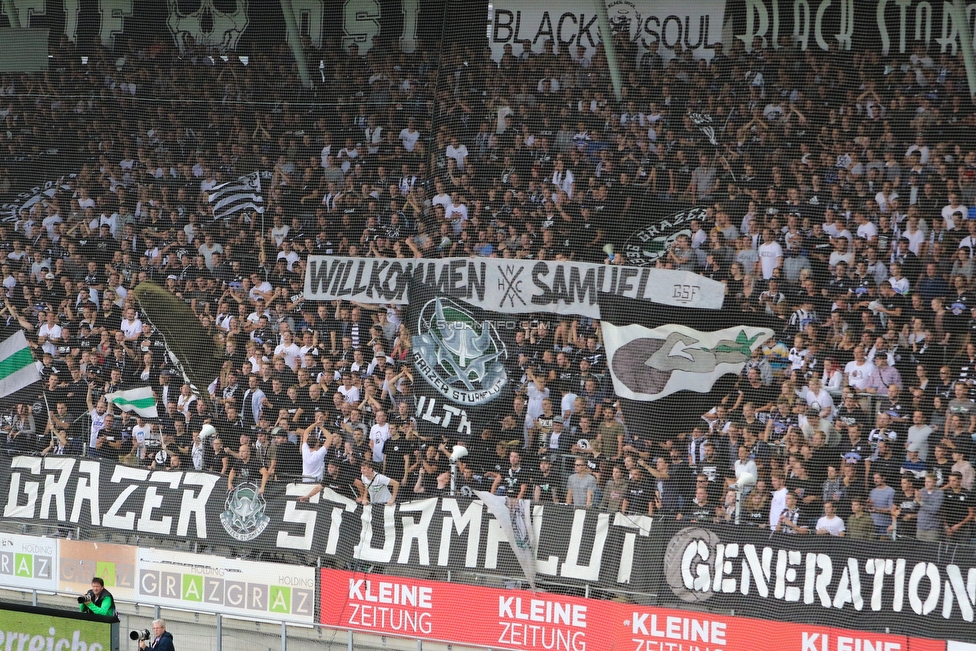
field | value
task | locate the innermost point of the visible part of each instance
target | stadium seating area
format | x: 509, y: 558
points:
x: 837, y: 196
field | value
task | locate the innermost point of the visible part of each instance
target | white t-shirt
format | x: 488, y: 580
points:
x: 265, y: 287
x: 834, y: 526
x: 97, y: 423
x: 858, y: 376
x: 769, y: 256
x: 378, y: 436
x: 313, y: 463
x: 53, y: 333
x: 458, y: 153
x: 409, y: 139
x: 776, y: 506
x: 351, y: 394
x: 378, y: 488
x: 131, y: 328
x: 290, y: 353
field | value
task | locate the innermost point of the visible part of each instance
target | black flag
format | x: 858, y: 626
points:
x: 670, y: 365
x: 460, y: 361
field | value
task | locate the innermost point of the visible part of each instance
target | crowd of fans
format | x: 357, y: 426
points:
x: 838, y: 202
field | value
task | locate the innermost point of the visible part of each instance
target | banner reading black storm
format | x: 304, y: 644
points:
x: 462, y: 362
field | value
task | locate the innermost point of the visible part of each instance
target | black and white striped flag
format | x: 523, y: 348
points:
x: 229, y: 198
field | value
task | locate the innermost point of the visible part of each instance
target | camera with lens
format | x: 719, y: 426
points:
x: 140, y: 636
x: 85, y: 598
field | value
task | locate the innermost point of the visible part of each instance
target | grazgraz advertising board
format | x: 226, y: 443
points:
x: 28, y: 563
x: 206, y: 583
x: 507, y: 286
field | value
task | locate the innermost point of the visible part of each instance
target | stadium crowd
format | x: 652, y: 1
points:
x: 838, y: 201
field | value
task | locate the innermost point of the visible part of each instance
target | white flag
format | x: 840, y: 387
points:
x: 514, y: 517
x: 17, y: 367
x: 141, y: 400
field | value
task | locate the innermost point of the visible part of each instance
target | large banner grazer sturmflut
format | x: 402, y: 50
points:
x: 506, y: 286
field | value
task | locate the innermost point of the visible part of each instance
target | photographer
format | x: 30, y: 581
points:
x: 98, y: 600
x: 162, y: 639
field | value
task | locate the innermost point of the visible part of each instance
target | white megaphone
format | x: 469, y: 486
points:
x: 207, y: 430
x: 458, y: 453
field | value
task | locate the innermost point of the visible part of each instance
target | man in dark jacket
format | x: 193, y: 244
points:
x: 162, y: 639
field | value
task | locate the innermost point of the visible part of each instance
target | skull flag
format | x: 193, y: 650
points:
x: 461, y: 361
x: 669, y: 365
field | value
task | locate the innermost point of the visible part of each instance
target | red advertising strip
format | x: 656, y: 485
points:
x: 526, y: 621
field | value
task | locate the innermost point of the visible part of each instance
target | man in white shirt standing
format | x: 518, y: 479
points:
x: 131, y: 325
x: 49, y: 335
x: 777, y: 504
x: 288, y: 350
x: 375, y: 487
x: 409, y: 136
x: 858, y: 372
x: 379, y: 434
x: 458, y: 152
x: 830, y: 524
x: 770, y: 254
x: 313, y: 454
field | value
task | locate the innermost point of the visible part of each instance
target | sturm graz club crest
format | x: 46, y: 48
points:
x: 644, y: 247
x: 461, y: 357
x: 243, y: 517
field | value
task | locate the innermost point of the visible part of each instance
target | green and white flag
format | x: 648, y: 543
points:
x: 141, y: 400
x: 17, y: 367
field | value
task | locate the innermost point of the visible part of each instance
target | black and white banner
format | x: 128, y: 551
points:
x: 908, y: 587
x: 506, y: 286
x: 671, y: 365
x: 575, y: 546
x: 889, y: 26
x: 229, y: 25
x: 461, y: 359
x: 228, y: 199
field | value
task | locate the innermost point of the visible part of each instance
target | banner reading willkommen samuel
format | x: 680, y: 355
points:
x: 506, y: 286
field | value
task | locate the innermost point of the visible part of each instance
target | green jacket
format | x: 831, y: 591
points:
x: 104, y: 605
x: 861, y: 526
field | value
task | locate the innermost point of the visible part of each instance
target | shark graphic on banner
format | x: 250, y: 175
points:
x: 673, y: 364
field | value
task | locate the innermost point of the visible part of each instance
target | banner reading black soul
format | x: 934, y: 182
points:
x: 907, y: 587
x: 578, y: 547
x: 670, y: 365
x: 462, y: 359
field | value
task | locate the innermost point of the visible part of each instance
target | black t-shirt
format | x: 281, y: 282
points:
x: 955, y: 508
x: 639, y: 495
x: 693, y: 511
x: 393, y: 452
x: 550, y: 486
x: 758, y: 396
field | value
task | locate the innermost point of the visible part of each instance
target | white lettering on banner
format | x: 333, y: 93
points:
x: 910, y: 22
x: 824, y: 642
x: 364, y: 593
x: 113, y: 14
x: 702, y: 567
x: 512, y: 611
x: 507, y: 286
x: 686, y: 629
